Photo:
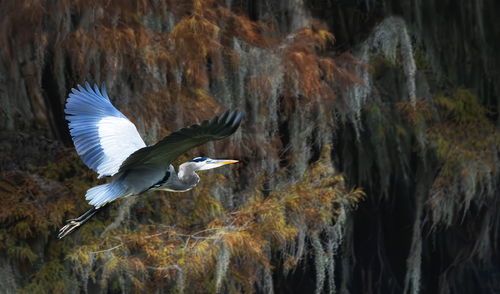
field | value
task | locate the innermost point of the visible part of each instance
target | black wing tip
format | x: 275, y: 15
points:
x: 213, y: 120
x: 234, y: 115
x: 230, y: 125
x: 224, y: 116
x: 239, y: 118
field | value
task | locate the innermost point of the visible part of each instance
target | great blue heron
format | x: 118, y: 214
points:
x: 110, y: 144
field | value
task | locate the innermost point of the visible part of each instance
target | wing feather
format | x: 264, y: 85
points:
x: 165, y: 151
x: 103, y: 136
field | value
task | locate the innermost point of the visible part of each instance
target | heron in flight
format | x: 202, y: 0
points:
x: 110, y: 145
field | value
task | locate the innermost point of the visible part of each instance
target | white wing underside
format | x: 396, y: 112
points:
x: 103, y: 136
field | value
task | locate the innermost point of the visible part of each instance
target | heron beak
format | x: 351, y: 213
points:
x: 223, y: 161
x: 217, y: 163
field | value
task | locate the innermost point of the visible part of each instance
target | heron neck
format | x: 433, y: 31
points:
x: 187, y: 175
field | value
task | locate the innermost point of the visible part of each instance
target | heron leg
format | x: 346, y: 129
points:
x: 77, y: 222
x: 82, y: 216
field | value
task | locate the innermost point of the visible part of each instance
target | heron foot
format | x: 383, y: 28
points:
x: 77, y: 222
x: 68, y: 229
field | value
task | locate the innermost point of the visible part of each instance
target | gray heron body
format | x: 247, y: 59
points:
x: 110, y: 144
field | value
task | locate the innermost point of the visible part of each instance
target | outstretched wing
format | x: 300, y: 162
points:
x: 103, y: 136
x: 172, y: 146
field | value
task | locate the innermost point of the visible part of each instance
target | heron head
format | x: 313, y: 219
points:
x: 203, y: 163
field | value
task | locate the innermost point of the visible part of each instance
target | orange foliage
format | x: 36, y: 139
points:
x: 190, y: 238
x: 35, y: 206
x: 415, y: 111
x: 311, y: 73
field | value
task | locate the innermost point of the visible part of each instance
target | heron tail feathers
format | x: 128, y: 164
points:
x: 102, y: 194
